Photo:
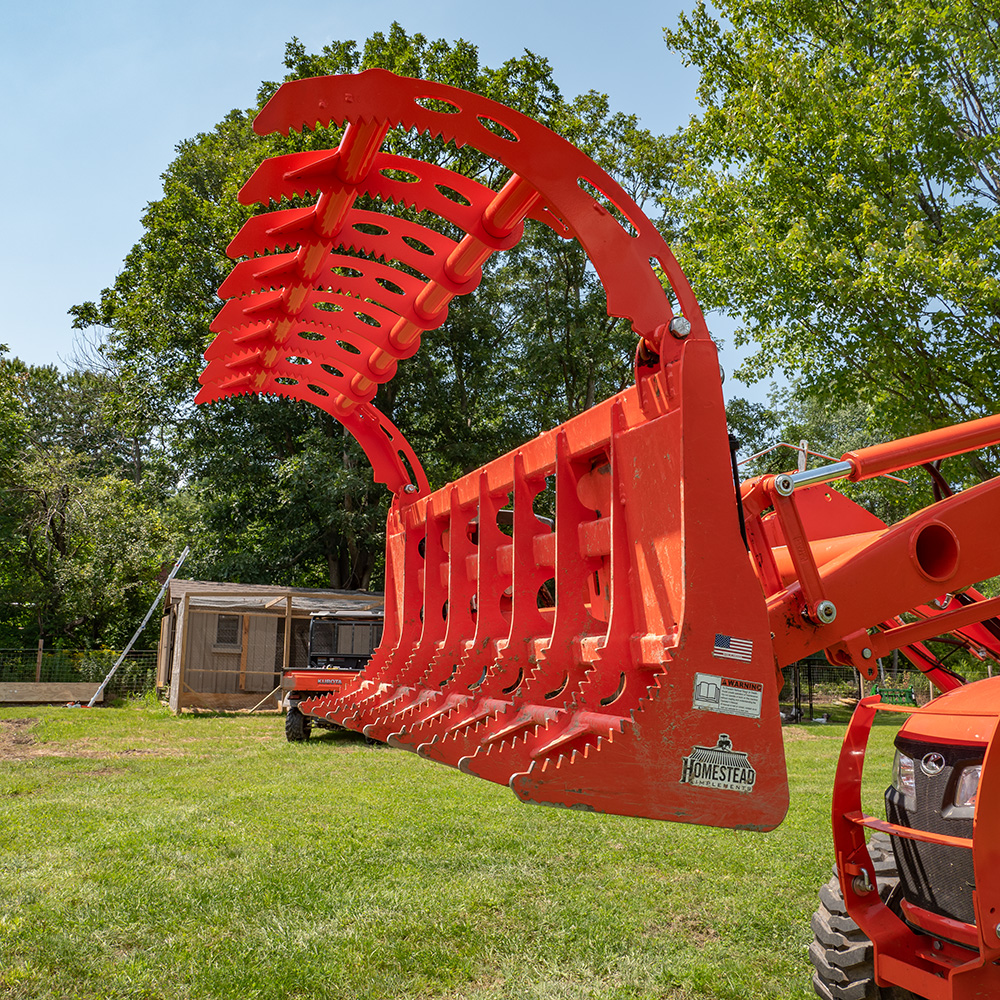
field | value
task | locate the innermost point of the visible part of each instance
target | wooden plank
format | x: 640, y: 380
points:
x: 288, y: 634
x: 244, y: 648
x: 184, y: 627
x: 163, y: 653
x: 207, y: 588
x: 233, y: 702
x: 28, y: 692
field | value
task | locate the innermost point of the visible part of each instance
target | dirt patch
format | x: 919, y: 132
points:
x: 691, y: 928
x: 97, y: 772
x: 18, y: 743
x: 794, y: 734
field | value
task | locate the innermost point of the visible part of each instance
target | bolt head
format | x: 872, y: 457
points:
x: 409, y: 488
x: 866, y: 653
x: 680, y: 327
x: 826, y: 611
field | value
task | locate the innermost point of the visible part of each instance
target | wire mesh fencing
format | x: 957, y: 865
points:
x: 814, y: 689
x: 135, y: 676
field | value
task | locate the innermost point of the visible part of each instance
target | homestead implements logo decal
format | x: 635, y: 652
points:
x: 719, y: 767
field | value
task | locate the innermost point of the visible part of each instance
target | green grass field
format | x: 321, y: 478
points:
x: 143, y: 855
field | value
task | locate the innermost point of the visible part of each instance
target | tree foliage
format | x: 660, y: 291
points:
x: 841, y: 197
x: 81, y: 540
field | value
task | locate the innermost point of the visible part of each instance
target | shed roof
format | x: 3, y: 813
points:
x: 264, y: 597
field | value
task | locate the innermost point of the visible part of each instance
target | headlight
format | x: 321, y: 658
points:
x: 968, y: 785
x: 902, y: 774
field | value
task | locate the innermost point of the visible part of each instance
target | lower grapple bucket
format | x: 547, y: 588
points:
x: 615, y: 657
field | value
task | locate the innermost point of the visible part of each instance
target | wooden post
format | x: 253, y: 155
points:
x: 163, y: 652
x: 38, y: 662
x: 185, y: 624
x: 243, y: 652
x: 288, y: 633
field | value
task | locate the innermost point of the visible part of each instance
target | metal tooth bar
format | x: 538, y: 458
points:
x: 485, y: 707
x: 547, y: 652
x: 559, y: 669
x: 586, y: 724
x: 408, y: 664
x: 458, y: 736
x: 471, y: 638
x: 611, y: 684
x: 528, y: 716
x: 404, y: 623
x: 444, y: 663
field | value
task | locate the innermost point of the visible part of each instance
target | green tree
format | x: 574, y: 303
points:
x: 81, y: 542
x: 773, y: 433
x: 840, y: 196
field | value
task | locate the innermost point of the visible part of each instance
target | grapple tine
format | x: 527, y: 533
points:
x: 421, y: 548
x: 557, y: 660
x: 596, y: 758
x: 485, y: 570
x: 531, y: 557
x: 426, y: 676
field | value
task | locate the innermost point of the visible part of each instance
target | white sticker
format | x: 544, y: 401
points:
x: 728, y: 695
x: 719, y: 767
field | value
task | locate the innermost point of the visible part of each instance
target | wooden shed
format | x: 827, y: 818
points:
x: 224, y: 646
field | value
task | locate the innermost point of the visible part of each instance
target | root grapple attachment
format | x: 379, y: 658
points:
x: 623, y: 657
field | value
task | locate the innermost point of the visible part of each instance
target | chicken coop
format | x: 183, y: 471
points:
x: 224, y: 646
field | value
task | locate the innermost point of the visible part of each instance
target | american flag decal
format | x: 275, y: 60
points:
x: 728, y: 647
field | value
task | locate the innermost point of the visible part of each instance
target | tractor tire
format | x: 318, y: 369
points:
x: 841, y: 953
x: 297, y: 726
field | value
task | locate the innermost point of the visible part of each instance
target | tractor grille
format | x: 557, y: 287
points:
x: 934, y: 877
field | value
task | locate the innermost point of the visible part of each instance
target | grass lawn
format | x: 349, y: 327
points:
x: 143, y: 855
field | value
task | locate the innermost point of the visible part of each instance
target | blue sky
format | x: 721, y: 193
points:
x: 98, y: 95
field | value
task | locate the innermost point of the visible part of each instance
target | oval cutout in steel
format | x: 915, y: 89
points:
x: 934, y: 548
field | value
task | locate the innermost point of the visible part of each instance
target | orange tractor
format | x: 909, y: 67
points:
x: 649, y: 685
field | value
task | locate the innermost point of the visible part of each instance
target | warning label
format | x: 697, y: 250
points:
x: 728, y: 695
